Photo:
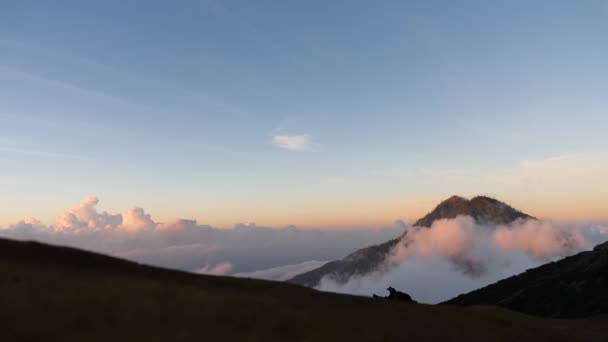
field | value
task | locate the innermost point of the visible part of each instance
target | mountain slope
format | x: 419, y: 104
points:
x: 484, y: 210
x: 53, y: 293
x: 362, y: 261
x: 576, y: 286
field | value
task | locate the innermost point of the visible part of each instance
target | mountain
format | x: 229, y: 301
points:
x: 64, y: 294
x: 484, y: 210
x: 576, y: 286
x: 362, y: 261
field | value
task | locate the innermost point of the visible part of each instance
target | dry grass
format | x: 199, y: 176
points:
x: 49, y: 302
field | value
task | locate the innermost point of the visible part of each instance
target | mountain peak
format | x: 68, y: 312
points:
x: 484, y: 209
x: 455, y: 198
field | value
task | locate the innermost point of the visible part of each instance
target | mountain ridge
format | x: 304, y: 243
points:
x: 483, y: 209
x: 572, y: 287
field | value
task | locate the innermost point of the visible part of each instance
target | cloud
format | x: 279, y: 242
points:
x: 86, y: 217
x: 188, y: 245
x: 283, y: 273
x: 222, y: 268
x: 301, y: 142
x: 456, y: 256
x: 135, y: 219
x: 431, y: 264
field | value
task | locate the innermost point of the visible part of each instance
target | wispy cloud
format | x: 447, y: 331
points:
x: 119, y: 74
x: 71, y: 87
x: 37, y: 153
x: 251, y: 31
x: 301, y: 142
x: 117, y: 131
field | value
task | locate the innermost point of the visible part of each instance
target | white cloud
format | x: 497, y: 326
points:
x: 457, y: 256
x: 86, y: 217
x: 190, y: 246
x: 451, y: 257
x: 135, y: 219
x: 221, y: 268
x: 302, y: 142
x: 283, y: 273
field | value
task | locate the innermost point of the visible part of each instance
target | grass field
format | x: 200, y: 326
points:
x: 60, y: 294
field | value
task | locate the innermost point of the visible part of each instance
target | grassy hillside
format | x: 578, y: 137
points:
x: 572, y: 287
x: 71, y: 295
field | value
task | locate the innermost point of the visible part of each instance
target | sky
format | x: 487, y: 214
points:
x: 318, y: 114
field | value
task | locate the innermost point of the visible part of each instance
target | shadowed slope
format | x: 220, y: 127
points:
x: 52, y: 293
x: 576, y: 286
x: 363, y: 261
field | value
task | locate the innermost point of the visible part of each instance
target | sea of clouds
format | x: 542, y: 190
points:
x: 431, y: 264
x: 244, y: 250
x: 455, y: 256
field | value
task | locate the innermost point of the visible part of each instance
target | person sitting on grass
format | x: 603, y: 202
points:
x: 396, y: 295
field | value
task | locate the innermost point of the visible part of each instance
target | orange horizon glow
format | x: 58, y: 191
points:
x: 376, y: 214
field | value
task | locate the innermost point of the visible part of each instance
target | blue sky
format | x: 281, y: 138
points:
x: 312, y: 113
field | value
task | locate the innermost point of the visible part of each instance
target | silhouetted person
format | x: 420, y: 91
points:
x: 396, y: 295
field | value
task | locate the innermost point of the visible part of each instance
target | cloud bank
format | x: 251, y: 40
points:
x: 456, y: 256
x: 283, y: 273
x: 431, y: 264
x: 187, y: 245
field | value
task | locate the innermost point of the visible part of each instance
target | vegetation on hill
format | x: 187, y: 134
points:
x: 53, y: 293
x: 576, y: 286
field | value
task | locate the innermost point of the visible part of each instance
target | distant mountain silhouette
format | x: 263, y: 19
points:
x: 574, y: 287
x: 484, y: 210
